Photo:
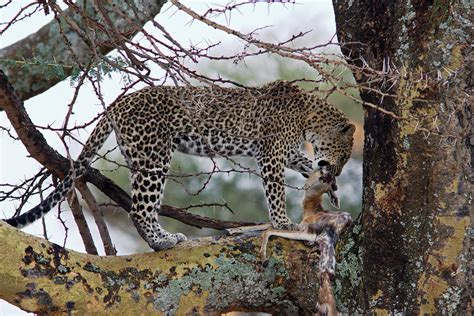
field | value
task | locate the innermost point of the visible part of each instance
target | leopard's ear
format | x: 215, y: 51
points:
x: 347, y: 129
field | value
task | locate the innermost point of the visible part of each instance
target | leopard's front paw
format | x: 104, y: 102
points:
x: 167, y: 242
x: 180, y: 237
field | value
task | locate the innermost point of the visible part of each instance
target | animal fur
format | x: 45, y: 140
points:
x: 320, y: 227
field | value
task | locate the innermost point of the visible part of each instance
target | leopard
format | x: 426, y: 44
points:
x: 269, y: 123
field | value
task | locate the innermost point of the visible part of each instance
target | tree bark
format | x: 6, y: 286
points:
x: 206, y: 276
x: 48, y: 45
x: 411, y: 251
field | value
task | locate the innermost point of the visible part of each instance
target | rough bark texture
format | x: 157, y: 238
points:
x: 208, y: 276
x: 48, y: 45
x: 410, y: 251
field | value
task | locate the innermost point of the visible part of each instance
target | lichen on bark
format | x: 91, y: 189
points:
x: 416, y: 183
x: 210, y: 275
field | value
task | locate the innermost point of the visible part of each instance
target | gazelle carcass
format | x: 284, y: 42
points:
x: 319, y: 227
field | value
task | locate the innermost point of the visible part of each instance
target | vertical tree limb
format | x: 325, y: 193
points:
x: 81, y: 223
x: 411, y: 256
x: 98, y: 217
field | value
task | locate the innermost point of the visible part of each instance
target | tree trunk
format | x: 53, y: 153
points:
x: 410, y: 248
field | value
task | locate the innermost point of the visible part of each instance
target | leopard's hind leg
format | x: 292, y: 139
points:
x: 148, y: 172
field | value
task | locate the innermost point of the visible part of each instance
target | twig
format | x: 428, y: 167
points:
x: 198, y: 220
x: 82, y: 225
x: 98, y: 217
x: 279, y: 50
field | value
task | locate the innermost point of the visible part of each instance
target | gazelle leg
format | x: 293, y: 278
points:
x: 247, y: 229
x: 326, y: 301
x: 293, y: 235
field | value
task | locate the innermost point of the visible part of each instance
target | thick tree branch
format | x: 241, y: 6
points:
x: 48, y: 44
x: 209, y: 275
x: 39, y: 149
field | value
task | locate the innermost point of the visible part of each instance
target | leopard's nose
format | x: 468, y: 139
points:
x: 323, y: 163
x: 319, y: 164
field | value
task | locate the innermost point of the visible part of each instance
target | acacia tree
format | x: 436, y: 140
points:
x: 408, y: 252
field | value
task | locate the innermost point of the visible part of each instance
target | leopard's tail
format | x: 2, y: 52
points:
x: 95, y: 141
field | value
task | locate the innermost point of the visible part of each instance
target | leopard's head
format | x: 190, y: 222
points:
x: 332, y: 145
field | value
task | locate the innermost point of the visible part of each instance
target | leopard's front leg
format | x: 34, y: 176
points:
x: 296, y: 161
x: 272, y: 169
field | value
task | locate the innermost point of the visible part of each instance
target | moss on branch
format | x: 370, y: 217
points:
x: 209, y: 275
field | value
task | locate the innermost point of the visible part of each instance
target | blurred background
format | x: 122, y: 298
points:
x: 242, y: 192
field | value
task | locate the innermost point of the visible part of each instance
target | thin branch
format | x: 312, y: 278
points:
x: 109, y: 248
x: 81, y: 223
x: 282, y: 51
